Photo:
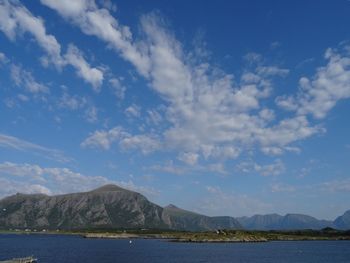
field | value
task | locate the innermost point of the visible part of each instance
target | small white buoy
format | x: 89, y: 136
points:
x: 130, y: 241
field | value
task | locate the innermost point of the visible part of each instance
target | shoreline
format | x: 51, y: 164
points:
x: 222, y: 236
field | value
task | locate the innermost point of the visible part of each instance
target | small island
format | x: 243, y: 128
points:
x: 225, y: 236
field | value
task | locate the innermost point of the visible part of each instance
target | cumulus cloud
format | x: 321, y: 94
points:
x: 15, y: 19
x: 32, y: 178
x: 15, y: 143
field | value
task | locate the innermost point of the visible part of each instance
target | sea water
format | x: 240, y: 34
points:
x: 71, y: 248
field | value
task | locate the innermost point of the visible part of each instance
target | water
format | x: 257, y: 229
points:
x: 69, y: 249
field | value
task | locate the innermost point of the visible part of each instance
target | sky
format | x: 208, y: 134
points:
x: 223, y: 108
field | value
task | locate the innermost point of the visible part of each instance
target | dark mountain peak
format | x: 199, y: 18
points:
x: 343, y: 222
x: 109, y: 188
x: 347, y: 213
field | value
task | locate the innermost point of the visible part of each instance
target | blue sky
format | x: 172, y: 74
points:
x: 221, y: 108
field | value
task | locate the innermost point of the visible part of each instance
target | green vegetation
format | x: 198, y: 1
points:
x: 227, y: 235
x: 207, y: 236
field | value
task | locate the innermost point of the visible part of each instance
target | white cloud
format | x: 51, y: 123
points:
x: 276, y: 168
x: 168, y: 167
x: 218, y: 168
x: 100, y: 23
x: 15, y: 19
x: 71, y: 102
x: 272, y: 71
x: 103, y: 139
x: 133, y: 111
x: 278, y: 187
x: 12, y: 142
x: 117, y: 87
x: 3, y: 58
x: 217, y: 202
x: 342, y: 185
x: 91, y: 114
x: 93, y: 76
x: 318, y: 95
x: 25, y: 79
x: 10, y: 187
x: 108, y: 4
x: 145, y: 143
x: 189, y: 158
x: 53, y: 180
x: 208, y: 113
x: 154, y: 117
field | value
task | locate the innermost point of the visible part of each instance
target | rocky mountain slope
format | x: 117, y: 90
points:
x: 177, y: 218
x: 107, y: 207
x: 343, y: 222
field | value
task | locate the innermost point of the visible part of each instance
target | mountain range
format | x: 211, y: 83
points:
x: 111, y: 206
x: 107, y: 207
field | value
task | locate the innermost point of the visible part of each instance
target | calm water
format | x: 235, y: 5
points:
x: 67, y: 249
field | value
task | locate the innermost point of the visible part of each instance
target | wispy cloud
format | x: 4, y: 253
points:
x: 15, y: 143
x: 32, y: 178
x: 275, y: 168
x: 279, y: 187
x: 15, y: 19
x: 341, y: 185
x: 25, y: 79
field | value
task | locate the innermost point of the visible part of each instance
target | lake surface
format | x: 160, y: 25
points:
x: 69, y: 249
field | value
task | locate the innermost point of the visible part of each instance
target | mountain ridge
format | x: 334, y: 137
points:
x: 109, y: 206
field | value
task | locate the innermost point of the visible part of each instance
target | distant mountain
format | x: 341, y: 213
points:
x: 260, y: 222
x: 177, y: 218
x: 343, y: 222
x: 107, y: 207
x: 287, y: 222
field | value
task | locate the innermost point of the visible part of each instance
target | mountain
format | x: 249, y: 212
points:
x: 106, y: 207
x: 287, y: 222
x: 343, y: 222
x: 180, y: 219
x: 260, y: 222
